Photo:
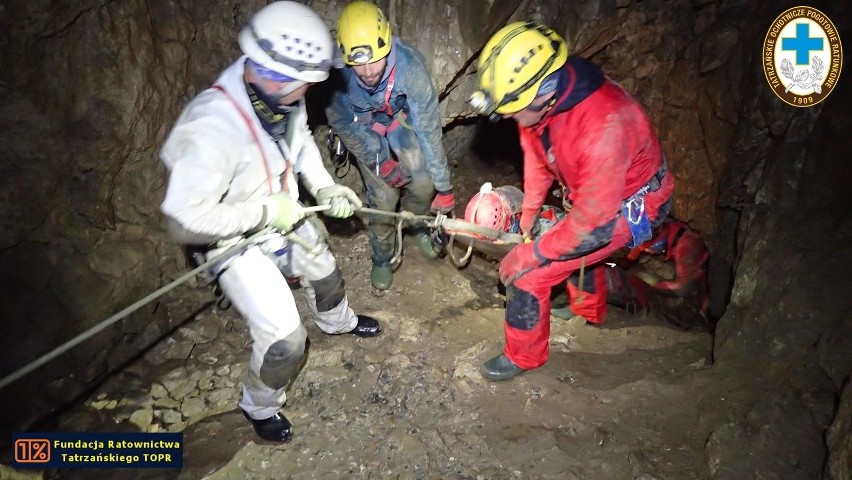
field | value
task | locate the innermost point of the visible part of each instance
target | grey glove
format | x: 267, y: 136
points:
x: 342, y: 199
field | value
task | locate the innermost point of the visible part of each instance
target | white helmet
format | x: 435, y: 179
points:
x: 291, y: 39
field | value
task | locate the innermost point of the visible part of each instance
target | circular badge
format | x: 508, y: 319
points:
x: 802, y: 56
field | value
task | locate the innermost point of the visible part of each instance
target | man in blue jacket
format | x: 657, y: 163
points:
x: 388, y: 118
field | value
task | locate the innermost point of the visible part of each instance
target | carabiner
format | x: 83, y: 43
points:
x: 639, y: 212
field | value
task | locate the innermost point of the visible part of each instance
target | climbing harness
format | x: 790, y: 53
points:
x: 633, y: 208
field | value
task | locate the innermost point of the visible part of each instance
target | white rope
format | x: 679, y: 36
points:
x: 459, y: 262
x: 32, y: 366
x: 397, y: 256
x: 465, y: 260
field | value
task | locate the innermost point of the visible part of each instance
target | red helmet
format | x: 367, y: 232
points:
x: 489, y: 208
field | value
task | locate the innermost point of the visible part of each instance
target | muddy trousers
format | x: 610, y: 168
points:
x: 415, y: 197
x: 255, y: 284
x: 527, y: 326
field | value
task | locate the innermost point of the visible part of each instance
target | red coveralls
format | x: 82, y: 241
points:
x: 603, y: 150
x: 686, y: 249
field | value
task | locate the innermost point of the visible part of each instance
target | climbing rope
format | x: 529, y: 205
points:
x: 439, y: 221
x: 236, y: 248
x: 30, y: 367
x: 465, y: 260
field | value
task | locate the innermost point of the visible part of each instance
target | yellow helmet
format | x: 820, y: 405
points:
x: 363, y: 33
x: 513, y: 63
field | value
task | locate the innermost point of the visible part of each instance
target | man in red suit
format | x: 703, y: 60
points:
x: 581, y: 129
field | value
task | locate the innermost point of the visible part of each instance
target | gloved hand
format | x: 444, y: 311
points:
x: 648, y: 278
x: 284, y: 211
x: 342, y: 199
x: 520, y: 261
x: 526, y: 224
x: 443, y: 202
x: 391, y: 172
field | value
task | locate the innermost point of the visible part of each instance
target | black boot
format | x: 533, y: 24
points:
x: 367, y: 327
x: 274, y: 429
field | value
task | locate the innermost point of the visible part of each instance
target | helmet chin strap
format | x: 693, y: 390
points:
x: 273, y: 100
x: 289, y: 88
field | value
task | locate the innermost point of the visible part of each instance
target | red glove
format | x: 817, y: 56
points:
x: 526, y: 224
x: 520, y: 261
x: 444, y: 202
x: 391, y: 172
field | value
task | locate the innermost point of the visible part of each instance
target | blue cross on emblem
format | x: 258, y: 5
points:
x: 801, y: 43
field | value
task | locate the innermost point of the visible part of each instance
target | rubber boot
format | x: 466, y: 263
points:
x: 564, y: 313
x: 381, y: 277
x: 500, y: 368
x: 427, y: 248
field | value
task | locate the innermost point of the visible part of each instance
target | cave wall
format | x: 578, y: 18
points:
x: 87, y: 98
x: 782, y: 349
x: 787, y: 335
x: 92, y: 89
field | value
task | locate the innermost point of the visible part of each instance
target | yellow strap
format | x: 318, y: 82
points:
x: 400, y: 117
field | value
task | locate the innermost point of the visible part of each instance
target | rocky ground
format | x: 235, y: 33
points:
x: 613, y: 402
x: 627, y: 400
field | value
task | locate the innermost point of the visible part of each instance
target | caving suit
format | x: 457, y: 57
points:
x: 222, y: 162
x: 400, y: 115
x: 598, y: 144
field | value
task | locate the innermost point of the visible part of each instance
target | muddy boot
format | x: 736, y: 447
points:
x: 559, y: 306
x: 500, y: 368
x: 564, y: 313
x: 427, y: 247
x: 381, y: 277
x: 274, y: 429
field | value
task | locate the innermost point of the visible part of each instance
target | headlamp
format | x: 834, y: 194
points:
x: 483, y: 103
x: 361, y: 54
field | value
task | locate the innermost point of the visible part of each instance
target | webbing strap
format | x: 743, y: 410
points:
x: 386, y: 107
x: 254, y: 134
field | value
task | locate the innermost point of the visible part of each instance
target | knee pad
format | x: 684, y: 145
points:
x: 329, y: 291
x: 523, y: 310
x: 282, y: 359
